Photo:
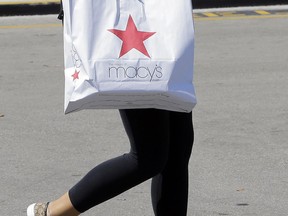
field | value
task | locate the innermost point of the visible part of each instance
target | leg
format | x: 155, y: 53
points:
x: 170, y: 188
x: 62, y: 206
x: 148, y: 133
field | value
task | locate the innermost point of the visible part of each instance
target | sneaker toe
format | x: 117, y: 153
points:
x: 30, y: 210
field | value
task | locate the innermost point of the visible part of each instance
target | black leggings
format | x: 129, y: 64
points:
x: 161, y: 144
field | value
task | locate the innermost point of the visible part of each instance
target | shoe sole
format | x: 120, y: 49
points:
x: 30, y: 210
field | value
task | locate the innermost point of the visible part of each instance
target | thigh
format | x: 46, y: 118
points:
x: 181, y: 137
x: 148, y: 132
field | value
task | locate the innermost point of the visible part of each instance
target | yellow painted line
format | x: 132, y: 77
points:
x: 240, y: 17
x: 30, y: 2
x: 210, y: 14
x: 262, y: 12
x: 197, y: 17
x: 31, y: 26
x: 231, y: 13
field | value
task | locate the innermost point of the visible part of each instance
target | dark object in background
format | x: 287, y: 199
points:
x: 53, y: 8
x: 201, y: 4
x: 29, y: 9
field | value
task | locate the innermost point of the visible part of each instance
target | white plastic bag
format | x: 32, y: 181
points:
x: 126, y: 54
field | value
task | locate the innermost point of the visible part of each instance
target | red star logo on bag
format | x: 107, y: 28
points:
x: 132, y: 38
x: 76, y: 75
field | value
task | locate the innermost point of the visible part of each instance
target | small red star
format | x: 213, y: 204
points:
x: 76, y: 75
x: 132, y: 38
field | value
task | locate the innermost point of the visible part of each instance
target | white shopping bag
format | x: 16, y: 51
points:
x: 127, y: 54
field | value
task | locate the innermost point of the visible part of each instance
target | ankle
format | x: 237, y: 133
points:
x: 56, y: 209
x: 49, y: 211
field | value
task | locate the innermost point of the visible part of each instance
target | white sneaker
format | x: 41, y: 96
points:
x: 37, y: 209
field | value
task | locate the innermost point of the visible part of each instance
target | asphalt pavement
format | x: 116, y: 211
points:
x: 240, y: 157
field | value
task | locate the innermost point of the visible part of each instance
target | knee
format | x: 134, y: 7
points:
x: 152, y: 165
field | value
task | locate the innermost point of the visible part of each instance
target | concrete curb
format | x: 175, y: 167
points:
x: 36, y: 7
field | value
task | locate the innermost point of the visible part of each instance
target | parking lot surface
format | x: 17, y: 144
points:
x: 239, y: 162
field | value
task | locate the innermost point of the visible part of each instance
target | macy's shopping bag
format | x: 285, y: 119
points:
x: 128, y: 54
